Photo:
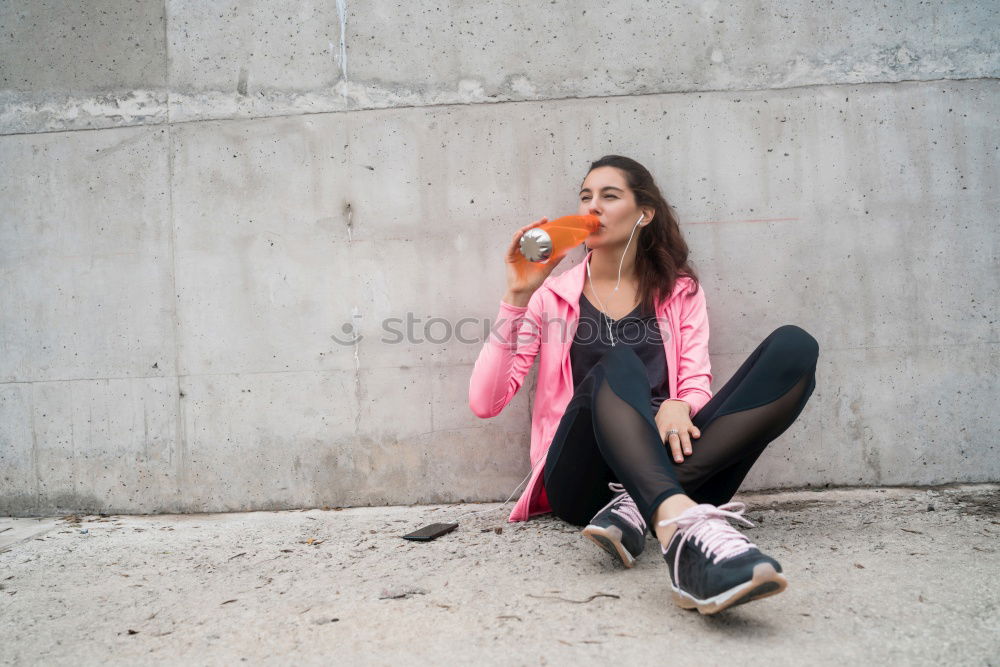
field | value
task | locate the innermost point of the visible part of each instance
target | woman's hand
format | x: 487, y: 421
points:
x: 523, y: 276
x: 675, y: 414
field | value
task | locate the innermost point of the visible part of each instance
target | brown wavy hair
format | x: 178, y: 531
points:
x: 661, y: 254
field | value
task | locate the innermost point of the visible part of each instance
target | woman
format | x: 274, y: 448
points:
x: 625, y: 430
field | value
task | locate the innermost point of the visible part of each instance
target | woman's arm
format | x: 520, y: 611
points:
x: 694, y: 371
x: 513, y: 343
x: 506, y: 357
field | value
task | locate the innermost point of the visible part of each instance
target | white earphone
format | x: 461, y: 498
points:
x: 620, y: 264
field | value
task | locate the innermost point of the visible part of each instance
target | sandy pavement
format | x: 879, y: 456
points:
x: 896, y: 575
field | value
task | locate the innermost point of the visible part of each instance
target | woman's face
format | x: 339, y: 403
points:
x: 606, y: 194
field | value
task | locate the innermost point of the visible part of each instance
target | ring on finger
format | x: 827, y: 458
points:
x: 673, y: 431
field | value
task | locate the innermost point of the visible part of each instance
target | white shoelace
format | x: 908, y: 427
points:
x: 707, y: 525
x: 626, y: 509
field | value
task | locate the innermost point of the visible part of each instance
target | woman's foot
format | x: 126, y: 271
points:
x: 712, y: 565
x: 618, y: 527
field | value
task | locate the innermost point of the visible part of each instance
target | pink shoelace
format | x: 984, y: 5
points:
x: 707, y: 525
x: 626, y: 507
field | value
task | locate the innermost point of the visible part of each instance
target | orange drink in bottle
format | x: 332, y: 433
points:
x: 549, y: 242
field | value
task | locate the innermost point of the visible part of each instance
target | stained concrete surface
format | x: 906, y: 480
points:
x: 105, y: 63
x: 884, y: 575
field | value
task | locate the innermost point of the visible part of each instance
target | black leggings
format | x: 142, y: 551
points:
x: 608, y: 432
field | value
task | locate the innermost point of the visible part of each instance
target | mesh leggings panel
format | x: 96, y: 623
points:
x: 608, y: 434
x: 762, y: 399
x: 729, y: 446
x: 631, y: 446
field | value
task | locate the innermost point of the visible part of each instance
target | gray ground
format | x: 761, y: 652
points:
x: 905, y: 576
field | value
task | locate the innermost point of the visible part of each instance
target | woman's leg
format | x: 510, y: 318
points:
x: 762, y: 399
x: 608, y: 434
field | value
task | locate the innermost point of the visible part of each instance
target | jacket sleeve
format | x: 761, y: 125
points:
x: 694, y: 372
x: 506, y: 357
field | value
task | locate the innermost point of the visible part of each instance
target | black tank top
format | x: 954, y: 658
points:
x: 641, y: 333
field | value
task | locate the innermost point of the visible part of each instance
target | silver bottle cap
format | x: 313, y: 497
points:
x: 536, y: 245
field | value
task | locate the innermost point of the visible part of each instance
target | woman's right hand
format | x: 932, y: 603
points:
x: 523, y: 276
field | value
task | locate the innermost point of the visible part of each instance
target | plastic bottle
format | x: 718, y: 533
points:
x: 549, y: 242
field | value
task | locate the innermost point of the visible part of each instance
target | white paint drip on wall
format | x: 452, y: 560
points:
x: 342, y: 13
x: 356, y: 323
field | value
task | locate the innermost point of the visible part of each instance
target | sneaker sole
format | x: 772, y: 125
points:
x: 611, y: 542
x: 766, y: 581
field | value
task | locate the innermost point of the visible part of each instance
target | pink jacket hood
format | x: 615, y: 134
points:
x: 545, y: 329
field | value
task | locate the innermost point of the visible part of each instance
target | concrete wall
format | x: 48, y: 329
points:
x: 198, y: 200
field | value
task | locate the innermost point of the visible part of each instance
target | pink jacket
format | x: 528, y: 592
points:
x: 546, y: 327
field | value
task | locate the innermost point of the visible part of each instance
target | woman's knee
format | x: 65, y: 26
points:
x: 622, y: 356
x: 624, y: 371
x: 796, y: 346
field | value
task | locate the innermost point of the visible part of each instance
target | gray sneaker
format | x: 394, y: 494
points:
x: 618, y: 527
